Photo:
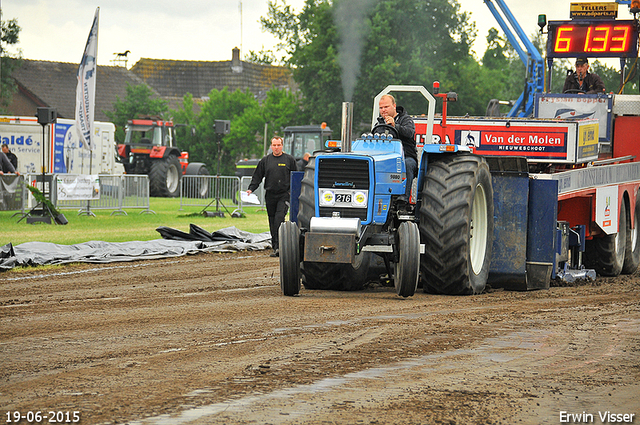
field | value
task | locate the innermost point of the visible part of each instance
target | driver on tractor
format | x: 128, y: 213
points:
x: 582, y: 81
x: 397, y: 117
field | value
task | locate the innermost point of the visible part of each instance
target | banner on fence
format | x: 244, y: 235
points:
x: 11, y: 192
x: 78, y: 187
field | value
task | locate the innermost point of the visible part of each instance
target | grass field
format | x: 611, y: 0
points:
x: 131, y: 227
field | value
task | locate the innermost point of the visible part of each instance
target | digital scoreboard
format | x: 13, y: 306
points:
x: 596, y: 38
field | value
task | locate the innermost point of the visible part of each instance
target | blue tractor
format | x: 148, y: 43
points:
x: 349, y: 225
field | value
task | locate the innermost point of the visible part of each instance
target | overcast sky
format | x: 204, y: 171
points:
x: 205, y: 30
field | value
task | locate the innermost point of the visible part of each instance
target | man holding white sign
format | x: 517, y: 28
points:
x: 275, y: 168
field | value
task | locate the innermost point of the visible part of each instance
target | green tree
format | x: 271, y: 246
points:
x: 247, y: 118
x: 223, y: 105
x: 185, y: 120
x: 263, y: 57
x: 404, y: 42
x: 9, y: 35
x: 495, y: 57
x: 138, y: 101
x: 611, y: 77
x: 281, y: 108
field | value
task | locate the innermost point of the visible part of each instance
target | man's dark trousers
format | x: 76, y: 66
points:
x: 277, y: 207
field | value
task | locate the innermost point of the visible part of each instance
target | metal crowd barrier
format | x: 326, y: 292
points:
x: 117, y: 192
x: 210, y: 192
x: 134, y: 193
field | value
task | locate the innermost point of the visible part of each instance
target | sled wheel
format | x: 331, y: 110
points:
x: 408, y: 266
x: 606, y: 254
x: 456, y: 225
x: 289, y: 236
x: 632, y: 248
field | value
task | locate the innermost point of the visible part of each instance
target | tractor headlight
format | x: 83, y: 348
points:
x: 359, y: 199
x: 327, y: 198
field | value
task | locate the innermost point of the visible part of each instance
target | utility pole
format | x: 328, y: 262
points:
x: 240, y: 30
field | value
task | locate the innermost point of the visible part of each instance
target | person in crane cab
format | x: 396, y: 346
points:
x: 581, y: 80
x: 397, y: 117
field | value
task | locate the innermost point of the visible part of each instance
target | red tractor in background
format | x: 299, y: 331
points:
x: 150, y: 148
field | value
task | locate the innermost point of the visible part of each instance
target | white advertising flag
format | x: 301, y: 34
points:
x: 86, y: 88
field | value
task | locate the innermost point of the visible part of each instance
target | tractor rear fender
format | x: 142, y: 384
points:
x: 428, y: 154
x: 123, y: 150
x: 163, y: 152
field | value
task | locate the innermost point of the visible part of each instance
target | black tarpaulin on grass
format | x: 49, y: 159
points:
x: 175, y: 243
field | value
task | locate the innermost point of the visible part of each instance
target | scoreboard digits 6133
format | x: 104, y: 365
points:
x: 593, y: 38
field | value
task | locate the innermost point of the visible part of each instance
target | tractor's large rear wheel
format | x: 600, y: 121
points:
x: 164, y: 177
x: 632, y: 249
x: 289, y: 236
x: 342, y: 277
x: 606, y: 254
x: 408, y: 266
x: 456, y: 225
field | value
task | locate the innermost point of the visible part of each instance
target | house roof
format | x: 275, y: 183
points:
x: 54, y: 84
x: 175, y: 78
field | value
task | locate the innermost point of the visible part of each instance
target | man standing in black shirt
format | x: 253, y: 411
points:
x: 275, y: 168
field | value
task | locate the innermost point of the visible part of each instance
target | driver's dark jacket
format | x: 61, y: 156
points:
x: 591, y: 84
x: 406, y: 131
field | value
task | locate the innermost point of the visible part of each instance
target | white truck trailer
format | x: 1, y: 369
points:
x: 63, y: 149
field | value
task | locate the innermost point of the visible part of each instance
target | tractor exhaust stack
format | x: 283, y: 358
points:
x: 347, y: 124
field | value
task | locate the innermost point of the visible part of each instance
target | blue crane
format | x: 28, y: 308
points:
x: 531, y: 58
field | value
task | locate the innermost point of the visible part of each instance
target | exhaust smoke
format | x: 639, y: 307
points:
x: 353, y: 28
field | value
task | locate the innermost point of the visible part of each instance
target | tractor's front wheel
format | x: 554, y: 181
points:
x: 289, y: 236
x: 456, y: 225
x: 408, y: 266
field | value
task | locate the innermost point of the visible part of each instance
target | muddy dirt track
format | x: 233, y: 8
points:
x: 208, y: 339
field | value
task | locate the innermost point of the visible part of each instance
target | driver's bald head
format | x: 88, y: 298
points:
x: 390, y: 97
x: 387, y: 106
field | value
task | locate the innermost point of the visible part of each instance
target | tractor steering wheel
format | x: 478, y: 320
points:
x: 385, y: 129
x: 574, y: 91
